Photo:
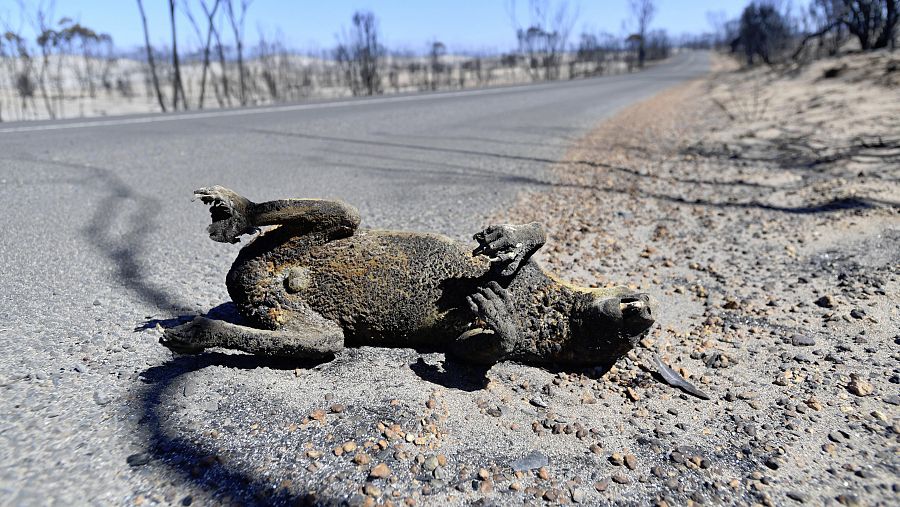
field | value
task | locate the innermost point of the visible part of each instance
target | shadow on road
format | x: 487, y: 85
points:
x: 117, y: 234
x: 194, y: 463
x: 510, y: 178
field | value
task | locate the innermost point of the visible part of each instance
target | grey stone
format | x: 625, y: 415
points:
x: 531, y: 461
x: 537, y: 401
x: 802, y: 340
x: 102, y: 397
x: 190, y: 388
x: 138, y: 459
x: 578, y: 496
x: 798, y: 496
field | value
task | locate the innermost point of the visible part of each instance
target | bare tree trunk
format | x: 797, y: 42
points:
x: 210, y: 14
x: 159, y: 96
x: 892, y: 17
x: 177, y: 86
x: 46, y: 37
x: 237, y: 27
x: 60, y: 87
x: 243, y: 94
x: 42, y: 81
x: 209, y: 32
x: 221, y: 52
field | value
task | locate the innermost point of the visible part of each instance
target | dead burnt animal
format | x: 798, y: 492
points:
x: 317, y: 283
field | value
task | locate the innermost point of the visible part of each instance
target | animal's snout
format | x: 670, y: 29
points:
x: 637, y: 313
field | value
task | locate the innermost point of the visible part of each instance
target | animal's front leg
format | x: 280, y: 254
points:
x: 509, y: 246
x: 494, y: 332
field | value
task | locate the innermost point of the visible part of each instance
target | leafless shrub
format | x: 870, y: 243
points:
x: 19, y: 68
x: 643, y: 12
x: 765, y: 33
x: 282, y: 78
x: 543, y: 42
x: 657, y: 45
x: 91, y: 46
x: 831, y: 22
x: 124, y: 86
x: 360, y: 55
x: 590, y: 54
x: 474, y: 67
x: 872, y: 22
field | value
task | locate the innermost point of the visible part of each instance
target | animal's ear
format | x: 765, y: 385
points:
x: 637, y: 313
x: 631, y: 313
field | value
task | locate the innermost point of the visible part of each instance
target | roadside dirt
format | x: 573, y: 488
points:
x: 762, y: 211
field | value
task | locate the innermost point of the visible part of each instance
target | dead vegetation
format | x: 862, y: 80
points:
x: 59, y: 68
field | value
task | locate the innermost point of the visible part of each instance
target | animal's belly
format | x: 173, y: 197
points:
x: 389, y: 288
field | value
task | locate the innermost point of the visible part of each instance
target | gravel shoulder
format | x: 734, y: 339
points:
x: 762, y: 210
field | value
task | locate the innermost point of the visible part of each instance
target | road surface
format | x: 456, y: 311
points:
x: 100, y: 238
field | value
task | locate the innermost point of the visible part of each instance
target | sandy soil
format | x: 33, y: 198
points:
x: 762, y: 210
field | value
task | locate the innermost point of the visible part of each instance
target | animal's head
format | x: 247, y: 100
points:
x: 609, y: 323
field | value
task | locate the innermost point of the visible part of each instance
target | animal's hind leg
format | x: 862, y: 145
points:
x: 234, y: 215
x: 309, y: 339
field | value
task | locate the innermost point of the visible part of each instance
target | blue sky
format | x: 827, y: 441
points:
x: 463, y: 25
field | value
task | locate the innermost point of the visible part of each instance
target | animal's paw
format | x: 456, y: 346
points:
x: 182, y: 339
x: 509, y: 245
x: 493, y: 308
x: 229, y: 213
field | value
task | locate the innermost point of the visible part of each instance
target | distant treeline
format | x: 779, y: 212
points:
x: 67, y: 67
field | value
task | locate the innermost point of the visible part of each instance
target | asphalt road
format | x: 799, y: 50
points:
x: 100, y: 237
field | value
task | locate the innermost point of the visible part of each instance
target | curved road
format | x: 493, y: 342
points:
x: 100, y: 238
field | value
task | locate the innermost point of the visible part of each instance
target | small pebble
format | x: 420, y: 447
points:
x: 102, y: 397
x: 139, y: 459
x: 621, y: 479
x: 380, y: 471
x: 860, y: 387
x: 797, y: 496
x: 826, y: 301
x: 802, y: 340
x: 538, y: 402
x: 532, y: 461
